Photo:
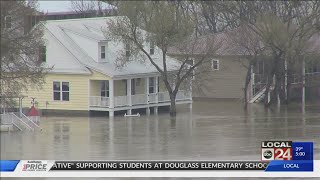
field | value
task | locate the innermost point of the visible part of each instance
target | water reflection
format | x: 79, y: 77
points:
x: 213, y: 130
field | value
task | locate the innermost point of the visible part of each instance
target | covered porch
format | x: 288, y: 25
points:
x: 145, y: 92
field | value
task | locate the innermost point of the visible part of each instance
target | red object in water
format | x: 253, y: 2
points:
x: 33, y: 112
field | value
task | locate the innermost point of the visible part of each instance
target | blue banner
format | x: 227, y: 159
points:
x: 293, y: 165
x: 8, y: 165
x: 302, y: 151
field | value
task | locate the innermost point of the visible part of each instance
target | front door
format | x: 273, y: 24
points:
x: 104, y: 88
x: 104, y: 92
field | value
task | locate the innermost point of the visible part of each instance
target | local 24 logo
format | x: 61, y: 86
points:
x: 276, y: 150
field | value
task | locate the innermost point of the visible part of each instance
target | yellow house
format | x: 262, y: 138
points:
x: 85, y: 75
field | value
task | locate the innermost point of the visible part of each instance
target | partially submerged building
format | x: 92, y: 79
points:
x: 85, y: 76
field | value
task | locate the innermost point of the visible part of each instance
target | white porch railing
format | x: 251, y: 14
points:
x: 29, y: 121
x: 163, y: 97
x: 120, y: 101
x: 139, y: 99
x: 11, y: 118
x: 183, y: 95
x: 99, y: 101
x: 153, y: 98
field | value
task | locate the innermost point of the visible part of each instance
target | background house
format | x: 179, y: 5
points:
x: 222, y: 77
x: 225, y: 79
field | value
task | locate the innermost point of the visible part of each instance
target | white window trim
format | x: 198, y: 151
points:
x: 5, y: 22
x: 100, y: 44
x: 218, y: 64
x: 61, y: 92
x: 102, y: 52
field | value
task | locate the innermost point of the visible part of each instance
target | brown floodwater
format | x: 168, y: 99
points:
x: 211, y: 131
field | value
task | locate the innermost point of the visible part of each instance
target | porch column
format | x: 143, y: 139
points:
x: 147, y: 94
x: 129, y: 97
x: 156, y: 87
x: 111, y: 96
x: 155, y: 109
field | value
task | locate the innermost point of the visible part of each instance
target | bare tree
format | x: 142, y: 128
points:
x: 167, y: 26
x: 91, y: 8
x: 284, y: 28
x: 20, y: 48
x: 243, y: 42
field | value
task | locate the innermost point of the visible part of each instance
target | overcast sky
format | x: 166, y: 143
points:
x: 54, y: 6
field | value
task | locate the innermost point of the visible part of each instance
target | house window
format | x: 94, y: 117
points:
x: 103, y: 52
x: 191, y: 62
x: 127, y: 49
x: 56, y: 91
x: 61, y: 91
x: 43, y: 53
x: 151, y: 85
x: 215, y: 64
x: 105, y: 88
x: 314, y: 68
x: 7, y: 21
x: 151, y: 48
x: 65, y: 91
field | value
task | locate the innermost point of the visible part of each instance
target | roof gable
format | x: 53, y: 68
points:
x: 81, y: 36
x: 60, y: 58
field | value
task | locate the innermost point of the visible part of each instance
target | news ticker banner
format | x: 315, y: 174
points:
x: 277, y: 159
x: 47, y: 168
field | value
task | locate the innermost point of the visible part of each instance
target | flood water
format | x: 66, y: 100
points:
x: 212, y: 131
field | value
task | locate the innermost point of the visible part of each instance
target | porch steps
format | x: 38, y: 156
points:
x: 259, y: 96
x: 13, y: 121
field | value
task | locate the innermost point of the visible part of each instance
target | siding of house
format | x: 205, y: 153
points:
x: 78, y: 91
x: 162, y: 86
x: 225, y: 83
x: 120, y: 88
x: 95, y: 88
x: 140, y: 89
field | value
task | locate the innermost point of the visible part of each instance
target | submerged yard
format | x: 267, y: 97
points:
x: 213, y: 130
